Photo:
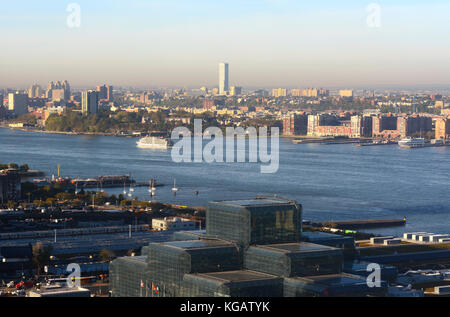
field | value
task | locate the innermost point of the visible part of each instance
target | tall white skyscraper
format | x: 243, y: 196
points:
x: 223, y: 78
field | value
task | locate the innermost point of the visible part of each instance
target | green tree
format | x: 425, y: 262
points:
x: 107, y: 255
x: 41, y: 255
x: 24, y: 167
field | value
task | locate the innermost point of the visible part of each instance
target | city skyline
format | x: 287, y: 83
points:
x: 269, y: 44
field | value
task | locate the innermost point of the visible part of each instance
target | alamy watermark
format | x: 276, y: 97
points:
x: 374, y: 278
x: 229, y: 149
x: 74, y: 17
x: 73, y: 280
x: 374, y: 15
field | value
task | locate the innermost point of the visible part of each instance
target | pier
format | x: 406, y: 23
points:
x: 363, y: 224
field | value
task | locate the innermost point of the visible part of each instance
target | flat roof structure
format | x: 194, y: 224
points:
x: 240, y: 283
x: 332, y: 285
x: 294, y: 259
x: 61, y: 292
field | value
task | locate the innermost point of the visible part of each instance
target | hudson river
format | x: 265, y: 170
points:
x: 332, y: 182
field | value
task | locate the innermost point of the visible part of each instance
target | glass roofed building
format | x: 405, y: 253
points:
x: 251, y: 248
x: 258, y: 221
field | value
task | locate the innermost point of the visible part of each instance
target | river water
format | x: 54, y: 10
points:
x: 332, y: 182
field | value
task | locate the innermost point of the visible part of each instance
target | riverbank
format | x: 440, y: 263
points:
x: 36, y: 130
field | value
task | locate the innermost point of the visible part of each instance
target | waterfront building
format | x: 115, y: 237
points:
x: 391, y: 127
x: 89, y: 103
x: 223, y: 78
x: 414, y: 125
x: 333, y: 131
x: 259, y: 221
x: 251, y: 248
x: 361, y: 126
x: 326, y: 125
x: 385, y: 126
x: 295, y: 124
x: 442, y: 128
x: 334, y: 285
x: 18, y: 103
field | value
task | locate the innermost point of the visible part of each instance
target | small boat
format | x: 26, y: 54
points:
x: 175, y: 189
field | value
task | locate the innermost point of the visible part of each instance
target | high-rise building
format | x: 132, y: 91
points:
x: 279, y: 92
x: 35, y: 91
x: 235, y: 91
x: 361, y: 126
x: 110, y: 93
x: 295, y: 124
x: 58, y: 94
x: 223, y: 78
x: 89, y: 102
x: 18, y: 103
x: 105, y: 92
x: 102, y: 92
x: 64, y: 86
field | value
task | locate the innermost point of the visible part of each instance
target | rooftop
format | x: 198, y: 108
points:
x: 334, y: 280
x: 237, y: 276
x: 197, y: 244
x: 257, y: 202
x: 302, y: 247
x: 60, y: 292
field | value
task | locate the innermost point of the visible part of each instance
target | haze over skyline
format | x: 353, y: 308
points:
x: 266, y: 42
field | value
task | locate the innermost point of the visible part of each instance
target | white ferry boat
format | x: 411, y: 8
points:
x: 153, y: 142
x: 412, y: 143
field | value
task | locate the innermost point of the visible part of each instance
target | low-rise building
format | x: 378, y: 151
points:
x: 175, y: 223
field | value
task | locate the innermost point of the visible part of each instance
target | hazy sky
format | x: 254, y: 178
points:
x: 267, y: 43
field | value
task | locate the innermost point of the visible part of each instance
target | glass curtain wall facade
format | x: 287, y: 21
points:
x: 297, y: 259
x: 259, y: 221
x: 233, y: 284
x: 251, y: 248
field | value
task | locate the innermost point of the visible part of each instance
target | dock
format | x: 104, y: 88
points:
x: 376, y: 144
x: 363, y: 224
